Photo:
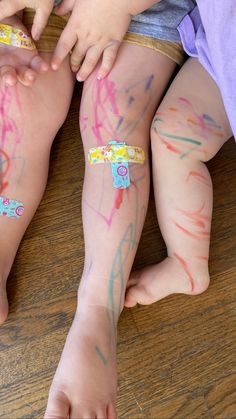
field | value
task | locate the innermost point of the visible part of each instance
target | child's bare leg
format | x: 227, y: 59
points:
x: 29, y: 120
x: 120, y: 107
x: 188, y: 130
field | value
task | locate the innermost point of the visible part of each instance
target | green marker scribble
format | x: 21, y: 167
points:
x: 196, y: 143
x: 101, y: 356
x: 178, y: 138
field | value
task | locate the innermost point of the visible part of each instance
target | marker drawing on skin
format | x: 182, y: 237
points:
x: 198, y: 176
x: 10, y: 136
x: 116, y: 284
x: 113, y: 125
x: 181, y: 117
x: 184, y: 265
x: 200, y: 221
x: 108, y: 122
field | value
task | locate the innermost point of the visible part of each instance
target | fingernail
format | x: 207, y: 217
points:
x: 44, y: 67
x: 74, y: 68
x: 79, y: 78
x: 55, y: 66
x: 36, y: 36
x: 100, y: 77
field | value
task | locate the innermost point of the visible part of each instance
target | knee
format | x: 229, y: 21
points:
x: 177, y: 138
x: 109, y: 111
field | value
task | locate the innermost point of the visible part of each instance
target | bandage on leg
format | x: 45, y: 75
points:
x: 15, y: 37
x: 118, y: 154
x: 10, y: 208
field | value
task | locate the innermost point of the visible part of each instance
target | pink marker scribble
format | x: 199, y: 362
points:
x: 116, y: 205
x: 104, y: 103
x: 83, y: 123
x: 10, y: 135
x: 203, y: 121
x: 184, y: 265
x: 200, y: 221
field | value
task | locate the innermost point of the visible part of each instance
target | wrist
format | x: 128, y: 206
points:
x: 135, y: 7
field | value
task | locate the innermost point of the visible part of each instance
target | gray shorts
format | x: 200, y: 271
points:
x: 162, y: 19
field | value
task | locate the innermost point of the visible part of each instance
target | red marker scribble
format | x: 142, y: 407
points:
x: 119, y: 198
x: 198, y: 220
x: 203, y: 258
x: 184, y: 265
x: 198, y: 176
x: 116, y: 205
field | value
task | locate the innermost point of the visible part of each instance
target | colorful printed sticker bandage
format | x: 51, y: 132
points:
x: 119, y: 155
x: 15, y: 37
x: 10, y: 208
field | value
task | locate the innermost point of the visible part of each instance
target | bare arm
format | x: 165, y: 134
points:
x: 136, y: 6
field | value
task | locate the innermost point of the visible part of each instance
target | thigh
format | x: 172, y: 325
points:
x: 41, y: 109
x: 191, y: 122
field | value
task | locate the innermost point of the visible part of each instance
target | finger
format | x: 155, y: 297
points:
x: 8, y: 75
x: 65, y: 7
x: 9, y: 8
x: 91, y: 59
x: 26, y: 76
x: 40, y: 21
x: 65, y: 44
x: 108, y: 59
x: 39, y: 65
x: 77, y: 56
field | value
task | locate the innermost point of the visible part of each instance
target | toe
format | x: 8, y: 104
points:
x: 82, y: 413
x: 58, y: 406
x: 130, y: 298
x: 111, y: 411
x: 3, y: 304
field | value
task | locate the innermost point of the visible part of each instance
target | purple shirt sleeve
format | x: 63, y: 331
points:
x: 209, y: 33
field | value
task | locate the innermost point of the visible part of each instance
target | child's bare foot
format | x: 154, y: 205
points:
x: 17, y: 64
x: 3, y: 302
x: 84, y: 386
x: 172, y: 276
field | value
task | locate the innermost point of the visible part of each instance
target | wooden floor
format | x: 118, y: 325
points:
x: 176, y: 358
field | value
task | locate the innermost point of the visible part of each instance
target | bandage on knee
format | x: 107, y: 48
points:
x: 10, y: 208
x: 118, y: 154
x: 15, y: 37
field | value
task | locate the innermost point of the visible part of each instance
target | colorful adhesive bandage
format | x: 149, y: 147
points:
x: 15, y: 37
x: 119, y: 155
x: 10, y: 208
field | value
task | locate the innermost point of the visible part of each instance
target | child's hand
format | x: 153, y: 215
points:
x: 95, y: 29
x: 18, y: 64
x: 43, y: 9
